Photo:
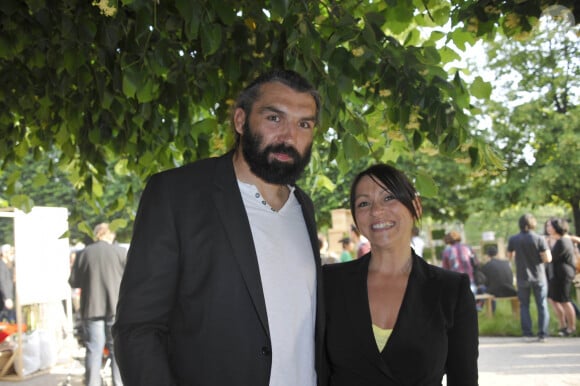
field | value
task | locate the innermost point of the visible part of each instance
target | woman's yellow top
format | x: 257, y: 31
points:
x: 381, y: 336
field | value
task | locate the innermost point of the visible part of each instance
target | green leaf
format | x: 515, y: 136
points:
x: 426, y: 185
x: 147, y: 92
x: 5, y: 47
x: 323, y: 182
x: 448, y: 55
x: 431, y: 55
x: 39, y: 180
x: 352, y: 148
x: 279, y: 8
x: 441, y: 14
x: 368, y: 35
x: 119, y: 223
x: 190, y: 11
x: 480, y: 88
x: 460, y: 37
x: 399, y: 17
x: 121, y: 168
x: 97, y: 188
x: 85, y: 228
x: 22, y: 202
x: 95, y: 136
x: 211, y: 39
x: 206, y: 126
x: 130, y: 82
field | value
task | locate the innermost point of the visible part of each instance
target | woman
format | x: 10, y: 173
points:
x: 459, y: 257
x: 563, y: 271
x: 393, y: 319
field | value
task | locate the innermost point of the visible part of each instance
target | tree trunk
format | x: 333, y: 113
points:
x: 576, y: 213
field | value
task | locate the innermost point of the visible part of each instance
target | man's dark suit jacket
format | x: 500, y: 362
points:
x: 499, y: 278
x: 191, y: 308
x: 435, y: 333
x: 97, y: 271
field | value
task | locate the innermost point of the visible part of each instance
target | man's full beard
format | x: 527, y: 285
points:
x: 274, y: 171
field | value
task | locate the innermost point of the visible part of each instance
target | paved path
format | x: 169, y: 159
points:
x: 502, y: 362
x: 511, y: 361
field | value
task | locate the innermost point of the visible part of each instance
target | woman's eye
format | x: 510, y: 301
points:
x: 362, y: 204
x: 390, y: 198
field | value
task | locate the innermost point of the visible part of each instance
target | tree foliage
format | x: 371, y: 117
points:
x: 538, y: 126
x: 130, y: 87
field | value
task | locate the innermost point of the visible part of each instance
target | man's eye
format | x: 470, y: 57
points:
x: 273, y: 118
x: 305, y: 125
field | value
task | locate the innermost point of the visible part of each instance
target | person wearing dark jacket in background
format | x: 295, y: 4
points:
x: 97, y: 271
x: 564, y: 270
x: 499, y: 277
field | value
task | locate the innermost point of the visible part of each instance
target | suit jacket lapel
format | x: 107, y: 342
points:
x: 233, y: 216
x: 308, y: 214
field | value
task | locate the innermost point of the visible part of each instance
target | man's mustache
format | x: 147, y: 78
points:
x: 283, y: 149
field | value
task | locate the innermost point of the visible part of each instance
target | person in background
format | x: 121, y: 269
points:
x: 222, y: 281
x: 326, y: 257
x: 362, y: 245
x: 7, y: 312
x: 392, y: 318
x: 97, y: 271
x: 531, y: 252
x: 417, y: 242
x: 459, y: 257
x: 347, y: 249
x: 498, y: 278
x: 564, y: 270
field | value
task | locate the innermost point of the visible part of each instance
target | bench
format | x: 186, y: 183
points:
x: 488, y: 299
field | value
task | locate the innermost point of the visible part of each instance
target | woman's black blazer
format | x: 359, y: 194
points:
x: 436, y: 331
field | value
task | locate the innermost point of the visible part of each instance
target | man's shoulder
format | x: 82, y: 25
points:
x: 303, y: 197
x: 521, y: 236
x: 201, y: 167
x: 495, y: 263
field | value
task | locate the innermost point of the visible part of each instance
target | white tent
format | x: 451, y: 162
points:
x: 42, y: 293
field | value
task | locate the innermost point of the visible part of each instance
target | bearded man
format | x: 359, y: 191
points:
x: 222, y: 281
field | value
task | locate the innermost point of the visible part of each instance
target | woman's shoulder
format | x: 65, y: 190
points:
x: 337, y: 270
x: 440, y: 273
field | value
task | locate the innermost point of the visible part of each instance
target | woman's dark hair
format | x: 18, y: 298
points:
x: 289, y: 78
x: 390, y: 179
x: 560, y: 225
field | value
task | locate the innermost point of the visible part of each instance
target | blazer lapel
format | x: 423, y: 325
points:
x: 420, y: 302
x: 419, y: 306
x: 359, y: 315
x: 233, y: 216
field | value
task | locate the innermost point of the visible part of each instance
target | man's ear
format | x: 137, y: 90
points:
x: 239, y: 120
